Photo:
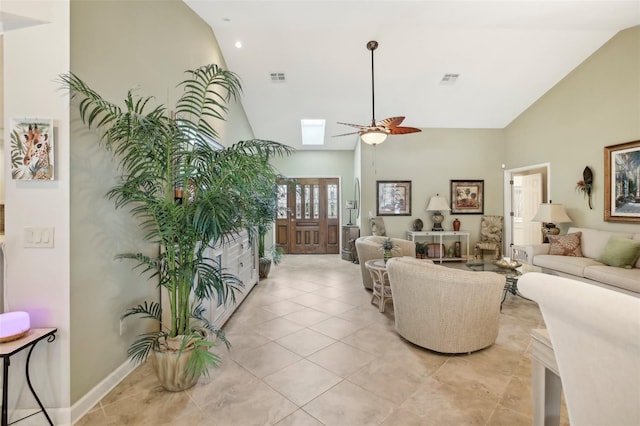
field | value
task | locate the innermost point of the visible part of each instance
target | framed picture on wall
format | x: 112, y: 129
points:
x: 467, y: 196
x: 622, y: 182
x: 32, y: 149
x: 393, y: 198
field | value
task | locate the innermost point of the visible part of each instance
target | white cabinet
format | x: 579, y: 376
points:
x: 437, y: 237
x: 237, y: 257
x: 240, y: 258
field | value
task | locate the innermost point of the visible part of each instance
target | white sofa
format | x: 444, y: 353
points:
x: 585, y: 268
x: 595, y: 335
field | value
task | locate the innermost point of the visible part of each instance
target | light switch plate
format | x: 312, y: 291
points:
x: 37, y: 237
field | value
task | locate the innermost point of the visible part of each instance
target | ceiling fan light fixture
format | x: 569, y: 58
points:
x: 377, y: 132
x: 373, y: 136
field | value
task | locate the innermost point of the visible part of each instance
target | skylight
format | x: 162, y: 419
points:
x: 312, y: 131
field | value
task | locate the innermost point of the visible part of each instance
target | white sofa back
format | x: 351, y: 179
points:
x: 593, y: 241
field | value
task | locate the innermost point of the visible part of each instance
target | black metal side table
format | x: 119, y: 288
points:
x: 511, y: 275
x: 7, y: 350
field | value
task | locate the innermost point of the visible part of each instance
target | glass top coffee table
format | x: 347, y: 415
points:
x: 512, y: 275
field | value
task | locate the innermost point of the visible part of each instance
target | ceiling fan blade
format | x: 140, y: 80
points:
x: 391, y: 122
x: 359, y: 126
x: 403, y: 130
x: 345, y: 134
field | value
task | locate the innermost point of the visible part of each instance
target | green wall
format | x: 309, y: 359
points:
x: 321, y: 164
x: 596, y: 105
x: 116, y: 46
x: 430, y: 159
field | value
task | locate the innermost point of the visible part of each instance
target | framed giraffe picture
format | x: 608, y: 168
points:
x: 32, y: 149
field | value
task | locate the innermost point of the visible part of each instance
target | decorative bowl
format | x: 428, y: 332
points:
x: 507, y: 264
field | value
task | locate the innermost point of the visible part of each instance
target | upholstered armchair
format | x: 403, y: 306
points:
x: 444, y: 309
x: 595, y: 335
x: 490, y: 236
x: 370, y: 248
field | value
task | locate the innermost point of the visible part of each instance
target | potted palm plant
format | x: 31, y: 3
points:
x: 188, y: 196
x: 275, y: 254
x: 267, y: 209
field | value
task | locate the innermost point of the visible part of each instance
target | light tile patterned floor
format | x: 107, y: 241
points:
x: 310, y: 349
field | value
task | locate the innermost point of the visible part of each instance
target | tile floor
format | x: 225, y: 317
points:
x: 310, y: 349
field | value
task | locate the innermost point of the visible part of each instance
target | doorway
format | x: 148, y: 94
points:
x: 308, y: 219
x: 525, y: 189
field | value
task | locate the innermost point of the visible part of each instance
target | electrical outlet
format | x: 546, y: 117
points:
x: 123, y: 327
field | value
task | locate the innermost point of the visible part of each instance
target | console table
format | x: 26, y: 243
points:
x: 7, y: 350
x: 437, y: 236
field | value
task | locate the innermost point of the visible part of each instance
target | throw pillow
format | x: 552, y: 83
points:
x: 565, y: 245
x: 620, y: 252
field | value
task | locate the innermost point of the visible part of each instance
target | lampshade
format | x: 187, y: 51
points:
x: 438, y: 203
x: 551, y: 213
x: 351, y: 204
x: 373, y: 136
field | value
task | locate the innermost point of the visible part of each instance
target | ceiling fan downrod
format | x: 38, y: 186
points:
x: 372, y: 45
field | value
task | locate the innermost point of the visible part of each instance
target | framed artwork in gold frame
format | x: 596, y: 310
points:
x: 622, y: 182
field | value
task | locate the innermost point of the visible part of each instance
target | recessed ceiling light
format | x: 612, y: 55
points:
x: 226, y: 19
x: 238, y: 44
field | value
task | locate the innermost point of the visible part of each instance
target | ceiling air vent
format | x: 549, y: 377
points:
x: 449, y: 79
x: 277, y: 77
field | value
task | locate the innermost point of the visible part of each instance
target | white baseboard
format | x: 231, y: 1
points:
x: 91, y: 398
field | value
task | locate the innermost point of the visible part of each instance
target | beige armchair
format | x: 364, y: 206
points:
x: 595, y: 334
x: 444, y: 309
x: 490, y: 236
x: 370, y: 248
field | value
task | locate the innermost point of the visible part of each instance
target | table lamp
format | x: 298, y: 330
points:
x: 351, y: 206
x: 550, y: 214
x: 437, y: 204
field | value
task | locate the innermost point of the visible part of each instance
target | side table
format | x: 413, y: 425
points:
x: 546, y: 385
x: 381, y: 288
x: 9, y: 349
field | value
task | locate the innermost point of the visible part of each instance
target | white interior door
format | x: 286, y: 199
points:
x: 524, y: 189
x: 527, y: 198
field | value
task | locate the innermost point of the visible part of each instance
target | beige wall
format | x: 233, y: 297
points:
x: 117, y: 46
x: 596, y: 105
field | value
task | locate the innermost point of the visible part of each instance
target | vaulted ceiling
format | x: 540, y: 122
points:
x: 506, y: 54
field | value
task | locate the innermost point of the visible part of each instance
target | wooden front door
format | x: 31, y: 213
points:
x: 308, y: 216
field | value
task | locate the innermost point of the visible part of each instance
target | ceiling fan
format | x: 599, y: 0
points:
x: 378, y: 131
